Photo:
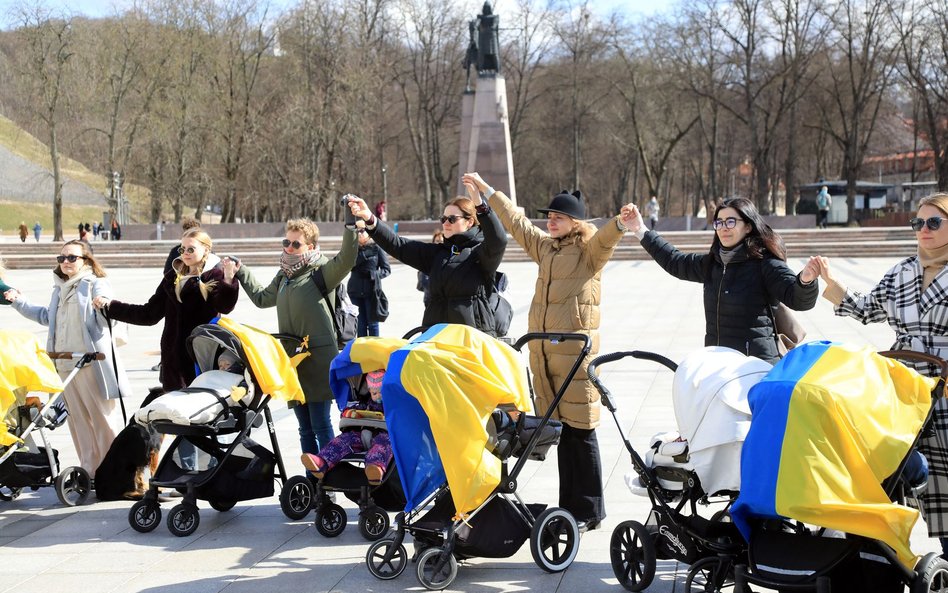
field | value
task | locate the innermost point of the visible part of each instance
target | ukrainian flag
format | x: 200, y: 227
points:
x: 24, y: 367
x: 439, y: 391
x: 829, y: 423
x: 273, y: 369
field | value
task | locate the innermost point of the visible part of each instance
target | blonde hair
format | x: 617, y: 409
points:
x: 198, y: 234
x: 939, y: 200
x: 306, y: 227
x: 90, y: 260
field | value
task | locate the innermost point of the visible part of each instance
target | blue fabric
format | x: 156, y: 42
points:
x: 315, y: 425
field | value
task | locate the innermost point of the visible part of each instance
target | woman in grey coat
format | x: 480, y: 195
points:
x: 76, y: 326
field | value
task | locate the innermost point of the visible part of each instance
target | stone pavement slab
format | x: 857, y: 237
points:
x: 253, y: 547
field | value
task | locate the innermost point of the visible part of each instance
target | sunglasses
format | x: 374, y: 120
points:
x: 68, y: 258
x: 295, y: 244
x: 188, y: 250
x: 933, y: 223
x: 727, y: 223
x: 453, y: 218
x: 361, y: 231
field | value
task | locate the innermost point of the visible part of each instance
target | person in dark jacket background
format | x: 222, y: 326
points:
x: 744, y: 275
x: 365, y: 283
x: 460, y: 270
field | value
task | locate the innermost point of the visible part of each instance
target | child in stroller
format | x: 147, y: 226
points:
x: 358, y: 436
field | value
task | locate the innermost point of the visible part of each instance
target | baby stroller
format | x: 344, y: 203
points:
x: 679, y: 474
x: 452, y: 511
x: 237, y: 468
x: 25, y: 367
x: 830, y: 517
x: 375, y: 500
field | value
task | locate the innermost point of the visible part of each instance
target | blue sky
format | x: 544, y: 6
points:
x: 98, y: 8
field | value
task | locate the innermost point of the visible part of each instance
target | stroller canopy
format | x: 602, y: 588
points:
x: 270, y: 367
x: 439, y: 391
x: 710, y: 398
x: 829, y: 424
x: 24, y: 366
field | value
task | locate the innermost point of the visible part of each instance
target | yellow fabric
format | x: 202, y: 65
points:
x: 372, y: 353
x: 867, y: 416
x: 460, y: 376
x: 23, y: 365
x: 273, y: 369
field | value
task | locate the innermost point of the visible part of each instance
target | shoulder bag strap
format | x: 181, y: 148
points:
x: 320, y: 281
x: 118, y: 384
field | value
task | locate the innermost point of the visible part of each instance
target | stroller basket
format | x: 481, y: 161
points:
x: 24, y: 468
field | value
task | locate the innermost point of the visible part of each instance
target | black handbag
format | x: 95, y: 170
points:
x: 381, y: 307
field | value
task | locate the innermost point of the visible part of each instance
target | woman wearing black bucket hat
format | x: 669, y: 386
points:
x: 571, y: 256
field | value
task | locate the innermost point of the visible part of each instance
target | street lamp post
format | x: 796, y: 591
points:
x: 385, y: 185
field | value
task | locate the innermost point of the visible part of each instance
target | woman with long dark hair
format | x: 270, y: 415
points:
x: 745, y: 275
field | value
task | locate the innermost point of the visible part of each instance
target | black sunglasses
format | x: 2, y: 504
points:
x: 933, y: 223
x: 295, y: 244
x: 729, y: 223
x: 188, y: 250
x: 453, y: 218
x: 70, y: 258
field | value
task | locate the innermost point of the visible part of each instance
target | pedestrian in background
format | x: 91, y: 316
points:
x: 653, y: 210
x: 24, y: 232
x: 37, y: 229
x: 823, y: 204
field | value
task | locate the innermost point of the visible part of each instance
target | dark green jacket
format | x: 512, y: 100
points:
x: 301, y: 311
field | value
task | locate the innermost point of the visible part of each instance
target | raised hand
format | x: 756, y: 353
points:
x: 101, y: 302
x: 230, y: 268
x: 631, y: 217
x: 475, y: 178
x: 473, y: 193
x: 359, y: 208
x: 811, y: 271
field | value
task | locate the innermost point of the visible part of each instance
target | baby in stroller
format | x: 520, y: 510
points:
x: 358, y: 436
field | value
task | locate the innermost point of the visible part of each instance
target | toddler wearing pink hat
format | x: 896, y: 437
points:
x: 379, y: 454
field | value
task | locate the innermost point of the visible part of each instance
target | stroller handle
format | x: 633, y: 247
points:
x: 922, y: 357
x: 74, y: 355
x: 604, y: 392
x: 553, y: 337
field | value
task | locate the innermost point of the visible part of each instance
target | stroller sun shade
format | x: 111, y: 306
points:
x: 829, y: 424
x: 24, y: 366
x: 438, y: 393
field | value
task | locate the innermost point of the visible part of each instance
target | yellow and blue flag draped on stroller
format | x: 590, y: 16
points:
x: 24, y: 366
x: 438, y: 392
x: 273, y: 369
x: 829, y: 423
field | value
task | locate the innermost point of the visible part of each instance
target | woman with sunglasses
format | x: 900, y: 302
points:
x: 460, y: 270
x: 75, y: 326
x: 365, y: 283
x: 744, y: 275
x: 302, y: 311
x: 912, y: 298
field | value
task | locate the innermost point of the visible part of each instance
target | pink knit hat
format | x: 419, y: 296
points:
x: 374, y: 379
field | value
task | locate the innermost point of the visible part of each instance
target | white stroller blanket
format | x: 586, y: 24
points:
x: 709, y: 393
x: 193, y: 407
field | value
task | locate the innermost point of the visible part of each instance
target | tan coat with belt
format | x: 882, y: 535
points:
x: 567, y: 296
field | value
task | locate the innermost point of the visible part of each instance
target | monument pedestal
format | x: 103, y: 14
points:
x: 485, y: 136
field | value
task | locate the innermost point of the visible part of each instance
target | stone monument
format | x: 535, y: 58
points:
x: 485, y: 129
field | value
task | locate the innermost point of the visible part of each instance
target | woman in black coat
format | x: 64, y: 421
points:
x: 365, y: 283
x: 460, y: 271
x: 745, y: 275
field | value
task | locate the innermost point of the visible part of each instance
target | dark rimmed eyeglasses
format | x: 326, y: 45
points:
x: 453, y: 218
x: 188, y: 250
x: 294, y: 244
x: 726, y: 223
x: 933, y: 223
x: 68, y: 258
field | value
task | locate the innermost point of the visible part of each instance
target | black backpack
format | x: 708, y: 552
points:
x: 344, y: 320
x: 499, y: 306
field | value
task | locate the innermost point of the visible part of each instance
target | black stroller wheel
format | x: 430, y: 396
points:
x: 222, y: 504
x: 373, y: 524
x: 632, y: 551
x: 296, y: 497
x: 8, y: 493
x: 554, y: 540
x: 183, y: 520
x: 73, y: 486
x: 932, y: 577
x: 386, y: 568
x: 331, y: 520
x: 710, y: 575
x: 144, y: 516
x: 436, y: 568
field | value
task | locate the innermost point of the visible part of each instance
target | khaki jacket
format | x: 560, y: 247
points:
x: 567, y: 297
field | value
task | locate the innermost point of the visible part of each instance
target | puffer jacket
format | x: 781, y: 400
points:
x: 302, y: 311
x: 460, y: 270
x: 737, y: 296
x: 566, y: 299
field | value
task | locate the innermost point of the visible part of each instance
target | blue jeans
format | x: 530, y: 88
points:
x: 368, y: 319
x: 315, y: 425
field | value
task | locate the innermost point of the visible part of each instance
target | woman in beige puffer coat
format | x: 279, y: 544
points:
x: 571, y: 257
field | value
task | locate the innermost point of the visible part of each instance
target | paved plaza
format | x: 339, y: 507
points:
x: 48, y: 547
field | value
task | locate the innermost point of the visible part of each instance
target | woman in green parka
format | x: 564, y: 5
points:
x: 302, y: 311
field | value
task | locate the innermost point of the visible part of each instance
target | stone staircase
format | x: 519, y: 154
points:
x: 885, y: 242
